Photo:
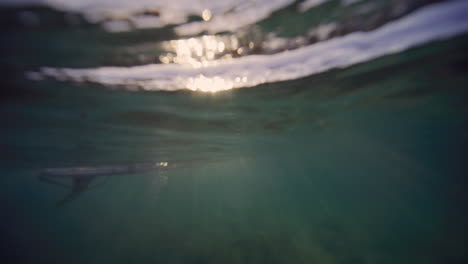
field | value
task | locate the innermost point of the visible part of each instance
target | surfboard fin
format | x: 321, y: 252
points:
x: 79, y: 185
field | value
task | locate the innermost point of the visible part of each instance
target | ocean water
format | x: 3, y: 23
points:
x: 307, y: 132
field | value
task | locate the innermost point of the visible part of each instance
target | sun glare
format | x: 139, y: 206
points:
x: 209, y: 84
x: 200, y: 51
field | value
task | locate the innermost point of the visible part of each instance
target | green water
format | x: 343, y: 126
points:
x: 360, y: 165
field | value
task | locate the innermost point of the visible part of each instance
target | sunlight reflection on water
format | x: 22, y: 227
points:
x: 213, y: 84
x: 196, y: 52
x: 200, y: 66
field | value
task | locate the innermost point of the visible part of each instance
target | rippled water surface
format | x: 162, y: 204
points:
x: 233, y: 131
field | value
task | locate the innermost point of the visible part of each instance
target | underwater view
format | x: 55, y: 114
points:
x: 234, y: 131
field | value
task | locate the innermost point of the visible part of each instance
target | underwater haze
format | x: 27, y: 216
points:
x: 234, y: 131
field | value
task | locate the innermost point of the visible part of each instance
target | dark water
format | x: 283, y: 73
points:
x: 365, y: 164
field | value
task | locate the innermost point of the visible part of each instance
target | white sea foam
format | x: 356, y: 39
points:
x: 239, y: 17
x: 224, y: 14
x: 308, y: 4
x: 434, y: 22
